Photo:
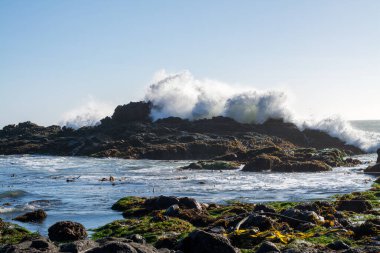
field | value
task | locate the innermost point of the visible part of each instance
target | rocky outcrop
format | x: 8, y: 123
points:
x: 35, y: 216
x: 130, y: 133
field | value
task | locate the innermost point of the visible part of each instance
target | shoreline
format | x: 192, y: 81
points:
x: 308, y: 226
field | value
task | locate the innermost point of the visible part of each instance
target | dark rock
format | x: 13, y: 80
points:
x: 368, y: 228
x: 261, y: 163
x: 78, y: 246
x: 35, y: 216
x: 260, y: 221
x: 377, y: 181
x: 375, y: 169
x: 338, y: 245
x: 166, y: 242
x: 309, y: 166
x: 161, y: 202
x: 267, y: 247
x: 189, y: 203
x: 65, y: 231
x: 378, y: 156
x: 263, y: 208
x: 134, y: 111
x: 40, y: 245
x: 357, y: 205
x: 203, y: 242
x: 112, y: 247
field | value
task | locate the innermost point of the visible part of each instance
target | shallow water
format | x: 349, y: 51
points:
x: 31, y: 182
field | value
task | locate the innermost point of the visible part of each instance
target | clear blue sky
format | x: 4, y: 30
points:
x: 54, y: 54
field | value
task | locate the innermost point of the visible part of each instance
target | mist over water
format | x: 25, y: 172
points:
x: 182, y: 95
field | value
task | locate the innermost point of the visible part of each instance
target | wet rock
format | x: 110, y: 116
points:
x: 309, y: 166
x: 166, y: 242
x: 203, y: 242
x: 357, y: 205
x: 65, y: 231
x: 338, y: 245
x: 35, y: 216
x: 78, y: 246
x: 123, y: 247
x: 212, y: 165
x: 375, y: 169
x: 377, y: 181
x: 261, y: 163
x: 267, y: 247
x: 378, y: 156
x: 161, y: 202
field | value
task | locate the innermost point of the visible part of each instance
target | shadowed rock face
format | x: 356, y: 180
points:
x: 130, y: 133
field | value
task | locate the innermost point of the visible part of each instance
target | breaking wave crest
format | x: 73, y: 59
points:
x: 182, y: 95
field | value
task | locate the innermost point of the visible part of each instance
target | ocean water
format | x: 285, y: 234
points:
x: 31, y: 182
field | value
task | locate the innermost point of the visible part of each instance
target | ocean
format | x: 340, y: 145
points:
x: 29, y: 182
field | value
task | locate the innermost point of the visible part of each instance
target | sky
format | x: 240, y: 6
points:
x: 56, y: 56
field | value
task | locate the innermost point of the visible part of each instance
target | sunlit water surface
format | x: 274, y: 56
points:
x: 31, y: 182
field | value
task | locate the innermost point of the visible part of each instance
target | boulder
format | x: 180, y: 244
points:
x: 38, y: 245
x: 357, y: 205
x: 262, y: 162
x: 189, y: 203
x: 378, y: 156
x: 309, y: 166
x: 35, y: 216
x: 375, y: 169
x: 203, y: 242
x: 296, y: 217
x: 65, y: 231
x: 161, y: 202
x: 260, y: 221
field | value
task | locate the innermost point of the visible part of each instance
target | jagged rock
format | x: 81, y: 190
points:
x: 260, y: 221
x: 35, y: 216
x: 296, y: 217
x: 64, y: 231
x: 134, y: 111
x: 202, y: 242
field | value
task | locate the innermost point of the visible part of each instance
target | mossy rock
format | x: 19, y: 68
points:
x: 12, y: 233
x: 213, y: 165
x: 148, y: 227
x: 127, y: 203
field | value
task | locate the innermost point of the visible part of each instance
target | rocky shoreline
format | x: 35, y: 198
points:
x: 130, y: 133
x: 347, y: 223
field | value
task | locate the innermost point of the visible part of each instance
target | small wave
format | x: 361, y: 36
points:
x: 17, y: 209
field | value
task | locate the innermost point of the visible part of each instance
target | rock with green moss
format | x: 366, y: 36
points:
x: 213, y: 165
x: 150, y: 228
x: 12, y: 233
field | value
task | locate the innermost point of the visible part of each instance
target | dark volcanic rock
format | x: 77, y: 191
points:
x: 39, y: 245
x: 267, y: 247
x: 134, y: 111
x: 203, y: 242
x: 64, y: 231
x: 35, y: 216
x: 161, y: 202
